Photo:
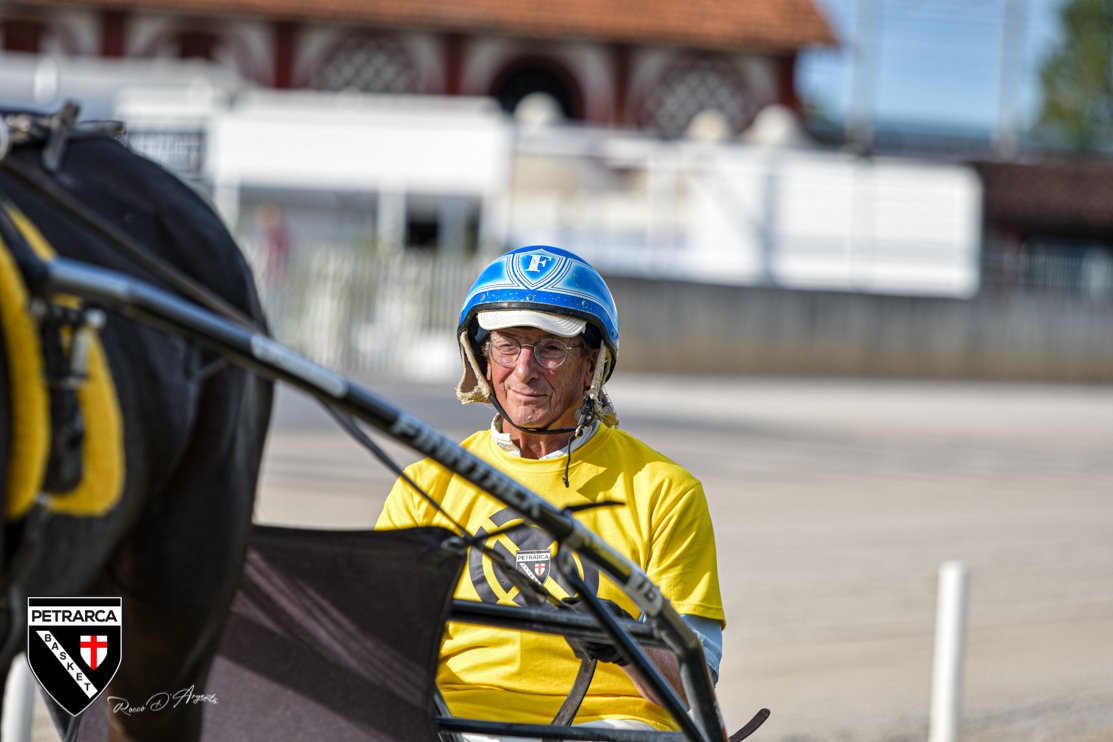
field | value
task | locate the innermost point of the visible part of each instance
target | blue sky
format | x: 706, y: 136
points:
x: 938, y: 61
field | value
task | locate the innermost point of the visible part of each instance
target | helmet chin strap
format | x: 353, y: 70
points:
x: 536, y: 431
x: 587, y: 414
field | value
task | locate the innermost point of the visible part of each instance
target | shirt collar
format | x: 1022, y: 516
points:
x: 504, y: 442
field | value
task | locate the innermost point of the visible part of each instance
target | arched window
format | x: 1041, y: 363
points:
x: 688, y: 88
x: 538, y: 76
x: 367, y: 65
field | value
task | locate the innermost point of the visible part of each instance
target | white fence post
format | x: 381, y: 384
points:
x: 390, y: 221
x: 950, y: 638
x: 19, y: 702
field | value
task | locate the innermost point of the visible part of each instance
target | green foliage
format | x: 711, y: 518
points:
x: 1077, y: 77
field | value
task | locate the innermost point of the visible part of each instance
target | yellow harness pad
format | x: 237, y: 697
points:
x: 103, y: 448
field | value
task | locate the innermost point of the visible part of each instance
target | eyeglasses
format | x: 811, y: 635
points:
x: 550, y: 352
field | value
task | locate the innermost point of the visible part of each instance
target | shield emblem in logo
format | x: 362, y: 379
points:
x: 74, y: 647
x: 538, y: 268
x: 535, y: 563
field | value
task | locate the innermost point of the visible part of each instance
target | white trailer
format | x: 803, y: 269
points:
x: 740, y: 214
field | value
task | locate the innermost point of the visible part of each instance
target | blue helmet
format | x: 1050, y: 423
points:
x: 544, y: 279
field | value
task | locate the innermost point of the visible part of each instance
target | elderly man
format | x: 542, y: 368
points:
x: 539, y: 339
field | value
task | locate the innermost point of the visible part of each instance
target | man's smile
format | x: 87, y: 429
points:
x: 529, y: 393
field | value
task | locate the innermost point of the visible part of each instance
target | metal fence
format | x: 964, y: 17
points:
x: 179, y: 150
x: 1074, y: 272
x: 364, y: 314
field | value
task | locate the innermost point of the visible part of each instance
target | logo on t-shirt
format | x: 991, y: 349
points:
x: 535, y: 564
x: 528, y: 548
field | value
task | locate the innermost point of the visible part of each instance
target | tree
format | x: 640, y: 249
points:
x: 1077, y: 78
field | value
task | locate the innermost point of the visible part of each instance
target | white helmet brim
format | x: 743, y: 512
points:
x: 554, y: 324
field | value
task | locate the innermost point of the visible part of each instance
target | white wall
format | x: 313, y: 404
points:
x: 392, y: 146
x: 824, y: 220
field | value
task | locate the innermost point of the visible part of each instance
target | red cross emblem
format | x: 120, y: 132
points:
x: 93, y: 650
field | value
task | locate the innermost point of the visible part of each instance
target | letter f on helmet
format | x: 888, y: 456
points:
x: 537, y: 262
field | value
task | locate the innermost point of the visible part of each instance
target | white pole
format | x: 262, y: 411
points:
x: 863, y: 73
x: 1010, y: 72
x: 390, y: 221
x: 19, y: 702
x: 950, y: 637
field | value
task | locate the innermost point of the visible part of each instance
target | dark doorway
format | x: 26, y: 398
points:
x: 196, y: 45
x: 537, y: 77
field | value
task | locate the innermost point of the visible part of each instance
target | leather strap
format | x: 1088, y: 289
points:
x: 576, y: 696
x: 751, y: 726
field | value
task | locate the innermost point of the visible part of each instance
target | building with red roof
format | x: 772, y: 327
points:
x: 652, y: 64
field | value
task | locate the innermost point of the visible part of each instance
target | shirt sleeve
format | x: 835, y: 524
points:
x: 683, y: 562
x: 402, y: 508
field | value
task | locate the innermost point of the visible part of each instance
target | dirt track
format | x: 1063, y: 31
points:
x: 835, y: 501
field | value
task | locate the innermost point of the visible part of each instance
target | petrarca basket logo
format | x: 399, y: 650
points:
x: 73, y: 647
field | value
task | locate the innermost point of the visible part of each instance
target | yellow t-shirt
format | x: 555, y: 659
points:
x: 664, y: 527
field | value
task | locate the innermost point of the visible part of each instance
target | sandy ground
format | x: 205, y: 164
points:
x: 835, y: 501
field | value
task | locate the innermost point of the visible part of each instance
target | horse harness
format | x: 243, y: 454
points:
x: 67, y: 339
x: 66, y: 430
x: 66, y: 452
x: 66, y: 438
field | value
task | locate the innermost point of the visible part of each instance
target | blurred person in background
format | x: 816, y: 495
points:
x: 539, y: 339
x: 276, y: 239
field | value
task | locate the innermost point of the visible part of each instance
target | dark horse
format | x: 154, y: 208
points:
x: 173, y: 545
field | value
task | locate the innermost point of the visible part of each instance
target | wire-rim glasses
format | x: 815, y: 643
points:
x: 550, y: 352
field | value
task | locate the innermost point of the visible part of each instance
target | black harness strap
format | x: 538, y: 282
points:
x: 65, y: 466
x: 751, y: 726
x: 576, y: 696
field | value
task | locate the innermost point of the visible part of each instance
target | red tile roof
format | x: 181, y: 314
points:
x: 774, y: 26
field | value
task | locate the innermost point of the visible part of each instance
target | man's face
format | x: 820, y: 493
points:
x: 538, y: 397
